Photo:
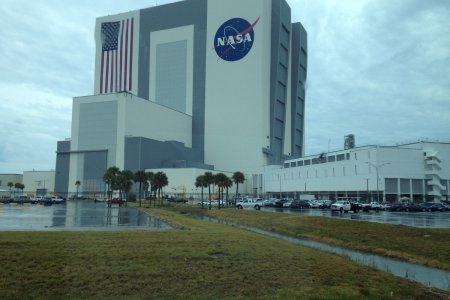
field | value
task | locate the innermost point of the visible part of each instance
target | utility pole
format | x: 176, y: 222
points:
x: 378, y: 179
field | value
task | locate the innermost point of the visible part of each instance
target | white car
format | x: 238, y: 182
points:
x: 58, y: 199
x: 342, y: 206
x: 315, y: 203
x: 250, y: 203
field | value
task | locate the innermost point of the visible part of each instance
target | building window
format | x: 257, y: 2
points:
x: 331, y: 158
x: 286, y: 165
x: 300, y: 163
x: 307, y: 162
x: 347, y: 156
x: 293, y: 164
x: 340, y: 157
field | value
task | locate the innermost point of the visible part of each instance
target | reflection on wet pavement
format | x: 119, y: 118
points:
x: 76, y: 216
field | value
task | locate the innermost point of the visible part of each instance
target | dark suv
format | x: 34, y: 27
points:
x: 300, y: 204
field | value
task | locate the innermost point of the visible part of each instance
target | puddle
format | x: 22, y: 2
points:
x: 432, y: 277
x: 76, y: 216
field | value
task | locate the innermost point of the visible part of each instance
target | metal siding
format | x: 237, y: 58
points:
x: 170, y: 16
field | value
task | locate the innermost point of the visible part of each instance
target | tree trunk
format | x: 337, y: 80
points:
x: 140, y: 194
x: 202, y: 198
x: 209, y: 195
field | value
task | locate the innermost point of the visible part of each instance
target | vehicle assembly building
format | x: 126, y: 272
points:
x: 200, y: 84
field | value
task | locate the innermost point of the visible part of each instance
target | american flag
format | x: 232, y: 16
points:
x: 116, y: 66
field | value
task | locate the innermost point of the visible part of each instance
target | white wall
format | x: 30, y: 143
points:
x: 241, y: 88
x: 34, y: 180
x: 135, y: 117
x: 392, y: 162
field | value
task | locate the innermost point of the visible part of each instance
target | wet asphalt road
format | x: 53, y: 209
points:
x: 414, y: 219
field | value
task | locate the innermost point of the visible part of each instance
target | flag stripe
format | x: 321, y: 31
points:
x: 101, y: 73
x: 131, y: 53
x: 116, y: 65
x: 121, y: 47
x: 126, y: 55
x: 107, y: 71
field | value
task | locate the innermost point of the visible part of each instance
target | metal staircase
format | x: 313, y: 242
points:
x: 432, y: 174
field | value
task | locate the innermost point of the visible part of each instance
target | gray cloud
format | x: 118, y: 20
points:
x: 376, y: 68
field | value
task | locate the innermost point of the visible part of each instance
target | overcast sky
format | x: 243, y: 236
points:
x: 379, y: 69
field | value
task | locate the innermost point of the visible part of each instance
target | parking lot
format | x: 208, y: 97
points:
x: 414, y: 219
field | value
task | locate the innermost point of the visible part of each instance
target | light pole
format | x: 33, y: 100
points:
x: 279, y: 176
x: 376, y: 169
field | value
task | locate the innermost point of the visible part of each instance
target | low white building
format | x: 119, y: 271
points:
x: 39, y: 182
x: 418, y: 171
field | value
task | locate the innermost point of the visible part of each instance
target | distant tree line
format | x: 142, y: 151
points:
x: 222, y: 181
x: 122, y: 181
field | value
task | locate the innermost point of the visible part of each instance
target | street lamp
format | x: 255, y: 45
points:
x: 376, y: 169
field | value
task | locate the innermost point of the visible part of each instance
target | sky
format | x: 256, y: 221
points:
x: 378, y: 69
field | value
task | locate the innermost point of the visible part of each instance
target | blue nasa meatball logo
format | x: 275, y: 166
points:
x: 234, y: 39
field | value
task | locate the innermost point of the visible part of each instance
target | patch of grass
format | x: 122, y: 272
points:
x: 420, y: 245
x: 202, y: 261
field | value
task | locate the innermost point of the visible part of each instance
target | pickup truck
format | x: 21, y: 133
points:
x: 250, y: 203
x: 37, y: 199
x: 342, y: 206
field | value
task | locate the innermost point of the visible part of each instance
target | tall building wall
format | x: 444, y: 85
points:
x: 230, y: 67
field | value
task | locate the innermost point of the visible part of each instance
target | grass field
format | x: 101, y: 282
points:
x: 199, y: 260
x: 420, y: 245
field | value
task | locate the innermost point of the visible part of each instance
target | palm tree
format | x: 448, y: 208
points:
x: 220, y: 180
x: 21, y: 187
x: 125, y: 182
x: 77, y: 183
x: 228, y: 184
x: 238, y: 177
x: 209, y: 179
x: 17, y: 187
x: 109, y: 177
x: 160, y: 181
x: 201, y: 183
x: 140, y: 177
x: 150, y: 180
x: 10, y: 185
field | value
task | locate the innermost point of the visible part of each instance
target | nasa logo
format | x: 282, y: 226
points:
x: 234, y: 39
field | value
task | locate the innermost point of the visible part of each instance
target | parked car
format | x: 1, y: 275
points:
x: 341, y: 205
x: 325, y: 203
x: 385, y: 205
x: 177, y: 200
x: 250, y: 203
x: 279, y: 203
x: 287, y: 204
x: 58, y: 200
x: 119, y: 201
x: 300, y: 204
x: 5, y: 199
x: 46, y: 201
x: 413, y: 207
x: 270, y: 202
x: 315, y: 203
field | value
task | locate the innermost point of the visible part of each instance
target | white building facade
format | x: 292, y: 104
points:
x: 199, y: 84
x: 418, y: 171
